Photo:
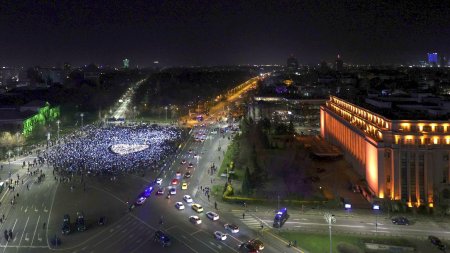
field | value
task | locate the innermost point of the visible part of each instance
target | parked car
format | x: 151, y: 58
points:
x: 436, y: 242
x: 400, y: 221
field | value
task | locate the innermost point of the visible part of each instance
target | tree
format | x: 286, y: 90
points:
x: 246, y: 186
x: 291, y: 129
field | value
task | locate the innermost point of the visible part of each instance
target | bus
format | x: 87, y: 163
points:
x: 280, y: 218
x: 2, y: 185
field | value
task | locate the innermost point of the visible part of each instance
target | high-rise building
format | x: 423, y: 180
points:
x: 402, y: 154
x: 339, y: 63
x: 433, y: 59
x: 292, y: 63
x: 126, y: 63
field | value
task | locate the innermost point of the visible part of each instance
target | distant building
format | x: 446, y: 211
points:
x: 399, y: 145
x: 292, y: 63
x: 126, y: 63
x: 51, y: 75
x: 339, y: 63
x: 8, y: 75
x: 433, y: 59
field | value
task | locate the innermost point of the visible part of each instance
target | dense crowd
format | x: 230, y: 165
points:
x: 113, y: 149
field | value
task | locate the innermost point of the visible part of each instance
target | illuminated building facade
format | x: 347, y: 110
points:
x: 401, y: 159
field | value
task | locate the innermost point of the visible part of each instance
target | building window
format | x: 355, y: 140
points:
x: 427, y: 128
x: 388, y: 179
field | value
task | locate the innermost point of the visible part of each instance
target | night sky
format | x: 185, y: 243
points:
x: 221, y: 32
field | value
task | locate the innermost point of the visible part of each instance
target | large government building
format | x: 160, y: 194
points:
x: 399, y: 145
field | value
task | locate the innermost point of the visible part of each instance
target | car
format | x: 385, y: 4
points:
x: 436, y: 242
x: 187, y: 174
x: 173, y: 191
x: 183, y: 161
x: 81, y: 224
x: 178, y: 174
x: 174, y: 181
x: 220, y: 235
x: 400, y: 221
x: 65, y: 229
x: 140, y: 200
x: 190, y: 165
x: 147, y: 192
x: 256, y: 244
x: 190, y: 151
x: 232, y: 228
x: 179, y: 206
x: 161, y: 238
x: 195, y: 219
x: 102, y: 221
x: 212, y: 215
x: 159, y: 181
x: 249, y: 248
x: 195, y: 155
x: 184, y: 186
x: 187, y: 198
x: 160, y: 191
x: 197, y: 207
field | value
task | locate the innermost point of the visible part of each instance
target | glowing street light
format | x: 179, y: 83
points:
x: 57, y: 123
x: 329, y: 218
x: 82, y: 116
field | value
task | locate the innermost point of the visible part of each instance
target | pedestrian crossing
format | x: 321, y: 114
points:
x: 249, y: 219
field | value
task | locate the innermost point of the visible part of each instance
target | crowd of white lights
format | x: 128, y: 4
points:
x: 114, y: 148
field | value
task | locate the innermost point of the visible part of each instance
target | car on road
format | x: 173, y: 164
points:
x: 220, y: 235
x: 173, y: 191
x: 248, y: 248
x: 436, y: 242
x: 212, y: 215
x: 81, y: 224
x: 174, y: 181
x: 161, y: 238
x: 187, y: 174
x: 159, y: 181
x: 102, y: 221
x: 183, y: 161
x: 160, y: 191
x: 179, y: 206
x: 187, y: 198
x: 140, y: 200
x: 147, y: 192
x: 400, y: 221
x: 65, y: 229
x: 195, y: 219
x: 197, y: 207
x: 184, y: 186
x: 178, y: 174
x: 190, y: 151
x: 232, y: 228
x: 190, y: 165
x: 257, y: 244
x: 195, y: 155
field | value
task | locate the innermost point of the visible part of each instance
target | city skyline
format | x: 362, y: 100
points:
x: 221, y: 33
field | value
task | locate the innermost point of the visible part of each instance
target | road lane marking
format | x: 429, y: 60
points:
x: 37, y: 223
x: 196, y: 232
x: 26, y: 237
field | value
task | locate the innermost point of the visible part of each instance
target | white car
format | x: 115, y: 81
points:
x: 140, y: 201
x: 179, y: 206
x: 173, y: 191
x: 187, y: 198
x: 220, y: 235
x: 159, y: 181
x: 195, y: 219
x: 232, y: 228
x: 212, y: 215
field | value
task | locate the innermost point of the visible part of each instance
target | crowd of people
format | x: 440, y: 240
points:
x: 113, y: 150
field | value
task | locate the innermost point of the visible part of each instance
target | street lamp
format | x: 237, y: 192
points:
x: 376, y: 208
x: 82, y: 116
x: 166, y: 112
x: 9, y: 160
x: 329, y: 218
x: 57, y: 123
